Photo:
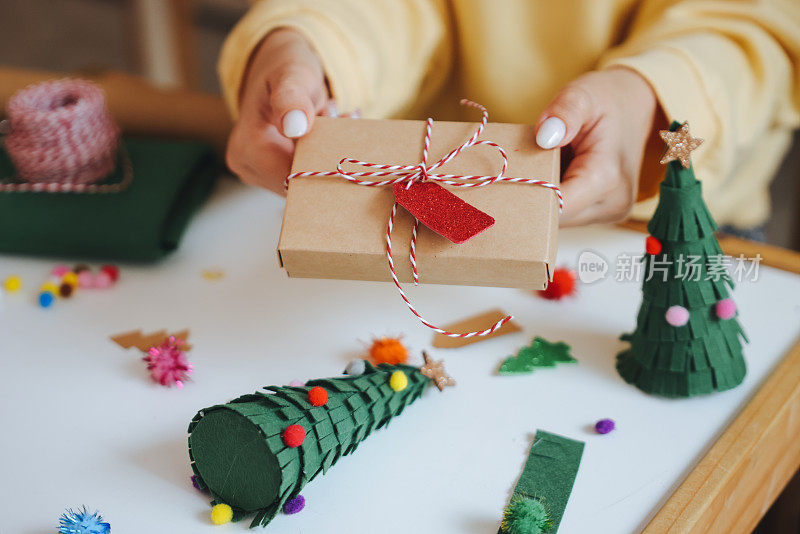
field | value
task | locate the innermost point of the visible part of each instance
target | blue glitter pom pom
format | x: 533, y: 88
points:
x: 82, y: 522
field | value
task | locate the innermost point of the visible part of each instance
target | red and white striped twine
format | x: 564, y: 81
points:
x: 422, y: 171
x: 62, y: 139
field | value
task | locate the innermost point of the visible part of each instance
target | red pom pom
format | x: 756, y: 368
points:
x: 112, y: 271
x: 652, y: 245
x: 563, y: 285
x: 294, y: 435
x: 317, y: 396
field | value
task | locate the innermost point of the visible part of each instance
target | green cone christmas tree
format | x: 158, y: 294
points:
x: 687, y: 339
x: 258, y: 451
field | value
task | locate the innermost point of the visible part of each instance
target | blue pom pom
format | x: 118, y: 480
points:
x: 45, y: 299
x: 82, y: 522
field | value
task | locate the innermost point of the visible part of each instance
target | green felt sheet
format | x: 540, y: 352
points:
x: 706, y: 354
x: 237, y: 449
x: 549, y: 473
x: 144, y: 222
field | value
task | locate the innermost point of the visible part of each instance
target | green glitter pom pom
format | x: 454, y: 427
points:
x: 525, y: 515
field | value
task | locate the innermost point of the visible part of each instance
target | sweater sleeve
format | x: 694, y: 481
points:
x: 379, y: 57
x: 731, y: 68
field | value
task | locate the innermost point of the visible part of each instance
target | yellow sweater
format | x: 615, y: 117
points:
x: 729, y: 67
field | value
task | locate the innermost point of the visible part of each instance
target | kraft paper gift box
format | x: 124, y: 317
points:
x: 333, y: 228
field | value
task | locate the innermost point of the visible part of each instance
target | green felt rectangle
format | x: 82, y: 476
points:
x: 550, y: 472
x: 324, y: 427
x: 328, y: 442
x: 286, y: 458
x: 339, y: 413
x: 144, y: 222
x: 354, y: 402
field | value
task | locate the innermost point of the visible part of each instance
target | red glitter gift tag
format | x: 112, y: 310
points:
x: 442, y: 211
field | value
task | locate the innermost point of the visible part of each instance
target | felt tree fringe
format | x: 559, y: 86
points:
x: 677, y: 358
x: 690, y: 291
x: 238, y: 450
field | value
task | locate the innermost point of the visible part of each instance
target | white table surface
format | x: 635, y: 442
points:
x: 81, y: 422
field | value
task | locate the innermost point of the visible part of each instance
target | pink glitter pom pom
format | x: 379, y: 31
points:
x: 297, y: 383
x: 726, y: 309
x: 167, y: 363
x: 677, y: 316
x: 59, y: 271
x: 103, y: 280
x: 85, y: 279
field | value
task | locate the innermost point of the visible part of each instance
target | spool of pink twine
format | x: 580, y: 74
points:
x: 61, y: 132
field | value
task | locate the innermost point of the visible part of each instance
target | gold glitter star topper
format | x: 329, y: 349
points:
x: 679, y: 145
x: 435, y: 371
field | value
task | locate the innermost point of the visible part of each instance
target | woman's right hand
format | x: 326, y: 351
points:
x: 284, y: 89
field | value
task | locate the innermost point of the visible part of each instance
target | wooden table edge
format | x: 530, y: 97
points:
x: 738, y: 479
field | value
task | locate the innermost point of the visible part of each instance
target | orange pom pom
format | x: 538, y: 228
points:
x: 563, y: 285
x: 388, y: 350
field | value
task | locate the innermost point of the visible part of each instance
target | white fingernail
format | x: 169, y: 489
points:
x: 551, y: 132
x: 333, y: 110
x: 295, y: 123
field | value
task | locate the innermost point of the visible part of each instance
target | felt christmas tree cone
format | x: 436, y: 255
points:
x: 687, y: 339
x: 258, y: 451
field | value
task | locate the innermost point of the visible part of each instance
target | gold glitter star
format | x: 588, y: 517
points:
x: 435, y: 371
x: 679, y: 145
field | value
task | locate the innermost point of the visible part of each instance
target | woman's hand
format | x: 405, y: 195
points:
x: 606, y: 117
x: 283, y: 90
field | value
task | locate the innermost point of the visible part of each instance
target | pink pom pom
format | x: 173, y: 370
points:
x: 726, y: 309
x: 85, y: 279
x: 103, y: 280
x: 59, y: 271
x: 168, y: 364
x: 677, y: 316
x: 297, y: 383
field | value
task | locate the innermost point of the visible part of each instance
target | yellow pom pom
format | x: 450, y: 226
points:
x: 12, y: 284
x: 70, y: 278
x: 398, y: 381
x: 221, y: 514
x: 51, y: 287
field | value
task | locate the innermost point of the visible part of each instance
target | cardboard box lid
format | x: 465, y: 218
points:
x: 334, y: 218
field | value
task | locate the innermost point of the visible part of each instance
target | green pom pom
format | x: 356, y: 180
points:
x: 525, y: 515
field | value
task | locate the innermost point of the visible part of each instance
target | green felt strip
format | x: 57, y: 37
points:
x: 237, y: 449
x: 550, y: 472
x: 171, y: 179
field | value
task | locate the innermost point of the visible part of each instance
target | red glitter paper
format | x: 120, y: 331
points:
x: 442, y: 211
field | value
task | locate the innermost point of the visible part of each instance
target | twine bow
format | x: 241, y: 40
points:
x: 409, y: 174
